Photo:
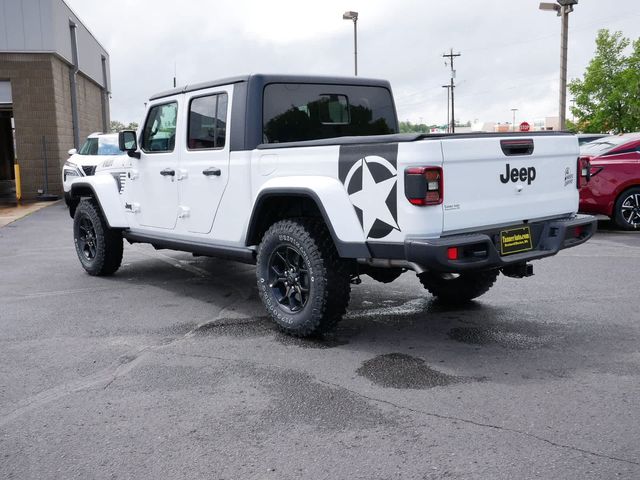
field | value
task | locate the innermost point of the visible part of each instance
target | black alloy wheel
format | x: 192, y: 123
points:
x: 87, y: 242
x: 289, y: 278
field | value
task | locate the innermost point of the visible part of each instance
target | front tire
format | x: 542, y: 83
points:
x: 72, y: 203
x: 458, y: 289
x: 626, y: 211
x: 302, y: 282
x: 99, y: 247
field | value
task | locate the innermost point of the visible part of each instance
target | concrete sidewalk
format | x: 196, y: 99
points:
x: 11, y: 213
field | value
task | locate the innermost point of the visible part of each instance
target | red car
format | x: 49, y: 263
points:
x: 614, y: 188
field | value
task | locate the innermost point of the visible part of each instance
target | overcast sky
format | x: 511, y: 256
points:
x: 510, y: 49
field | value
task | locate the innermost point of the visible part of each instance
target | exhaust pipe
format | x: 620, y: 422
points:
x: 391, y: 263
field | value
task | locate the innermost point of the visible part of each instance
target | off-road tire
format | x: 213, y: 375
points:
x: 328, y: 277
x: 104, y: 256
x: 461, y: 289
x: 618, y: 217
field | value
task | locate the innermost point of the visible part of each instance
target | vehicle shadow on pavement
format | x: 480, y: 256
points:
x: 606, y: 225
x: 396, y: 326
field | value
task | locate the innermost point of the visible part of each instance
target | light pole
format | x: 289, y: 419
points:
x: 513, y: 124
x: 353, y: 16
x: 563, y: 8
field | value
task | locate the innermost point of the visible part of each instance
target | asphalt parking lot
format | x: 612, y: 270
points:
x: 169, y: 369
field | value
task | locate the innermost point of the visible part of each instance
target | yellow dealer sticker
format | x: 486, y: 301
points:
x: 515, y: 240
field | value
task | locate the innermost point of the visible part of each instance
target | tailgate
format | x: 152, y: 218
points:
x: 500, y: 180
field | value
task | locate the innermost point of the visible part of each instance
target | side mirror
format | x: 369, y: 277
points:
x: 128, y: 142
x: 73, y: 151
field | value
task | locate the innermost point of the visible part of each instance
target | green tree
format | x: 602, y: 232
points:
x: 607, y: 98
x: 408, y: 127
x: 116, y: 126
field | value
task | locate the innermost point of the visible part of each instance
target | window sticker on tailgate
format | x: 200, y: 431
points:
x: 515, y: 240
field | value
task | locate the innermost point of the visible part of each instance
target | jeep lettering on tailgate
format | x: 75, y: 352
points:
x: 525, y: 174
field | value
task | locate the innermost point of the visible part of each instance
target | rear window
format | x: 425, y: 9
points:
x: 298, y: 112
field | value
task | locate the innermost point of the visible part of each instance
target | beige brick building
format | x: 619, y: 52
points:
x: 54, y: 91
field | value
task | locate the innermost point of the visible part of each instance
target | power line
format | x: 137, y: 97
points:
x: 503, y: 45
x: 600, y: 23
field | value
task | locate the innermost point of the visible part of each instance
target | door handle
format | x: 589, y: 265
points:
x: 167, y: 172
x: 212, y: 171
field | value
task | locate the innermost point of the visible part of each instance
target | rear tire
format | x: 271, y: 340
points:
x: 454, y: 290
x: 302, y: 282
x: 99, y: 247
x: 626, y: 211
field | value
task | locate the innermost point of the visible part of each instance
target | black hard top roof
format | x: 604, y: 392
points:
x: 274, y: 78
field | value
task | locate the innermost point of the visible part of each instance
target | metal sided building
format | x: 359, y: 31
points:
x: 54, y: 91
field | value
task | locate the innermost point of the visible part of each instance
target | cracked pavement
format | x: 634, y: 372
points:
x: 170, y: 369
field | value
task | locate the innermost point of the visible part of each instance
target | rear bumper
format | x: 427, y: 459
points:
x: 479, y: 251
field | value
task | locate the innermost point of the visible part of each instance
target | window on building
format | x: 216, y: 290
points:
x: 298, y: 112
x: 159, y: 133
x: 207, y: 122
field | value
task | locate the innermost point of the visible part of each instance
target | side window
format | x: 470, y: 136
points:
x: 159, y: 134
x: 207, y: 122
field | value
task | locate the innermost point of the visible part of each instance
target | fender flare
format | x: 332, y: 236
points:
x: 330, y: 198
x: 105, y: 190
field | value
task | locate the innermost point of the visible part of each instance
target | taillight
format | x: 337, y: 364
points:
x: 584, y: 172
x: 424, y: 185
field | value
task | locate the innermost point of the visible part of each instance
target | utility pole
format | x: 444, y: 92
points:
x: 448, y: 87
x: 513, y: 124
x: 564, y: 36
x: 451, y: 56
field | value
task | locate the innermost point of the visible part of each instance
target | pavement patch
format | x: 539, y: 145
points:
x: 238, y: 327
x: 297, y: 398
x: 398, y: 370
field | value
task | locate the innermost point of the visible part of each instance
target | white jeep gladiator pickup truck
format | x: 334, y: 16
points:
x: 308, y: 178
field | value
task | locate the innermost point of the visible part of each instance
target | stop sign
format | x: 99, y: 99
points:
x: 525, y: 127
